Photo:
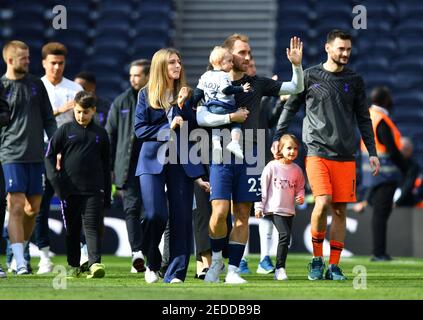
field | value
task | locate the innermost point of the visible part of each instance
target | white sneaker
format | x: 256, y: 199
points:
x: 2, y: 273
x: 217, y: 267
x: 233, y: 277
x: 22, y: 271
x: 280, y: 274
x: 12, y: 266
x: 138, y: 262
x: 217, y: 156
x: 45, y: 266
x: 176, y: 280
x: 151, y: 276
x: 235, y: 148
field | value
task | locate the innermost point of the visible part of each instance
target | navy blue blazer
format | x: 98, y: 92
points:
x: 152, y: 123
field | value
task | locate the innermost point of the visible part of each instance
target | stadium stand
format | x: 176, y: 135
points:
x: 102, y: 36
x: 105, y: 35
x: 388, y: 52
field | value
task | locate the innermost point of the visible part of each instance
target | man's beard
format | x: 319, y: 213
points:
x: 339, y: 63
x: 21, y: 70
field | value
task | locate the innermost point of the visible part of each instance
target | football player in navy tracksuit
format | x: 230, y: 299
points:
x: 78, y: 165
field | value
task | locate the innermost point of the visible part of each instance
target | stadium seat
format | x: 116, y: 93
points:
x: 111, y: 6
x: 334, y: 11
x: 408, y: 79
x: 147, y: 47
x: 406, y: 8
x: 368, y: 65
x: 380, y: 78
x: 409, y: 26
x: 379, y: 10
x: 409, y: 98
x: 408, y: 64
x: 116, y: 25
x: 159, y: 5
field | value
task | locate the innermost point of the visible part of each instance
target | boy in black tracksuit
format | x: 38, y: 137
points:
x: 77, y: 164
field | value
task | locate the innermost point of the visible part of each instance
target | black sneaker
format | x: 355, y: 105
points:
x: 202, y: 274
x: 334, y: 273
x: 162, y: 271
x: 84, y: 267
x: 381, y: 258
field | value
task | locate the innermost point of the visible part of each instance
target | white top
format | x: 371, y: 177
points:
x: 212, y: 83
x: 280, y: 184
x: 60, y: 94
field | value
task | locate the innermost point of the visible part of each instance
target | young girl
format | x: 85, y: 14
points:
x: 282, y: 186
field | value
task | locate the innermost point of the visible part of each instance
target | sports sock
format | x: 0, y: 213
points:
x: 17, y: 249
x: 265, y: 232
x: 317, y: 238
x: 236, y: 250
x: 335, y: 251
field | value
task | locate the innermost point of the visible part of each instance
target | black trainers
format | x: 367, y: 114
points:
x: 334, y: 273
x: 84, y: 267
x: 381, y: 258
x: 202, y: 274
x: 138, y: 262
x: 162, y: 271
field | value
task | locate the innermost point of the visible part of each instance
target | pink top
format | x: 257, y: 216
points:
x: 280, y: 184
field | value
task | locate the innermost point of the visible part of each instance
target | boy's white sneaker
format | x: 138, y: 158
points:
x: 233, y: 277
x: 216, y: 269
x: 138, y: 262
x: 45, y: 266
x: 151, y: 276
x: 176, y: 280
x: 235, y: 148
x: 280, y: 274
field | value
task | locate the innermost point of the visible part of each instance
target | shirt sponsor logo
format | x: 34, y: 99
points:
x: 346, y: 87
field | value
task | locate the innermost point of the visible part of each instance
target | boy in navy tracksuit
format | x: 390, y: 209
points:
x: 77, y: 164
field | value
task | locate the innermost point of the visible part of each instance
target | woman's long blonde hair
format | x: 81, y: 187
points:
x: 159, y: 81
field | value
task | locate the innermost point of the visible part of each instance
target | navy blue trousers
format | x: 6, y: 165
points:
x: 175, y: 205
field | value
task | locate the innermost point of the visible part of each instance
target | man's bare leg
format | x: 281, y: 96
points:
x: 32, y: 207
x: 238, y: 240
x: 16, y: 207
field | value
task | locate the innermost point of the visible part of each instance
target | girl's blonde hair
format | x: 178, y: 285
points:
x: 285, y: 138
x: 217, y: 55
x: 159, y: 81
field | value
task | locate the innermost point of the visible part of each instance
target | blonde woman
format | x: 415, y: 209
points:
x: 157, y: 113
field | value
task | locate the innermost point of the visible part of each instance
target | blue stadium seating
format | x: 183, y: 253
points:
x: 408, y: 7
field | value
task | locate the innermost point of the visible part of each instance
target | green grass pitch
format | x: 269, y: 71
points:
x: 399, y: 279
